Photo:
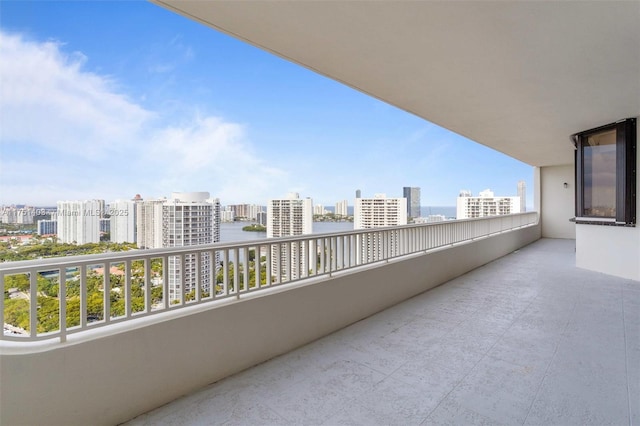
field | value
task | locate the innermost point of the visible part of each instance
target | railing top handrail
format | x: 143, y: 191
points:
x: 136, y: 254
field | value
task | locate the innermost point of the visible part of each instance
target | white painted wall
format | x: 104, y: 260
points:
x: 557, y: 203
x: 114, y: 373
x: 613, y: 250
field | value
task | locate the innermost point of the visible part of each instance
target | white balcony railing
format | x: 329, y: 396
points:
x: 72, y: 294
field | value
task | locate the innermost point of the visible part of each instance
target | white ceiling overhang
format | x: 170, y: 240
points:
x: 519, y: 77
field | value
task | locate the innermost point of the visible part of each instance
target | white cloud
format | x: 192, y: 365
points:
x: 67, y: 133
x: 215, y: 155
x: 46, y: 98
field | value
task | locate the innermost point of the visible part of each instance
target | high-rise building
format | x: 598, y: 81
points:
x: 8, y: 215
x: 78, y: 221
x: 522, y: 193
x: 246, y: 211
x: 123, y: 221
x: 358, y: 193
x: 378, y: 212
x: 227, y: 214
x: 190, y: 219
x: 20, y: 215
x: 262, y: 218
x: 342, y: 208
x: 186, y: 219
x: 486, y: 204
x: 319, y: 209
x: 412, y: 194
x: 47, y: 227
x: 289, y: 217
x: 149, y: 224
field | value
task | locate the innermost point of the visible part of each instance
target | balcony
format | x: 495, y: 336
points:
x: 114, y: 366
x: 526, y: 339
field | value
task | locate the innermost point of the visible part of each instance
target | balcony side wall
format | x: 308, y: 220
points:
x: 610, y: 249
x: 117, y: 376
x: 557, y: 201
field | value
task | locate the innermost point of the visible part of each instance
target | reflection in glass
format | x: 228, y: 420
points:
x: 600, y: 174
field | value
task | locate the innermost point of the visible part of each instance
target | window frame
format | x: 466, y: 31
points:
x: 625, y: 186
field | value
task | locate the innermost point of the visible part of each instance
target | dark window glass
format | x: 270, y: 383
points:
x: 599, y: 157
x: 606, y: 174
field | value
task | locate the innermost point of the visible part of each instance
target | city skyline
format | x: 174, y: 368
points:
x: 329, y: 207
x: 144, y: 110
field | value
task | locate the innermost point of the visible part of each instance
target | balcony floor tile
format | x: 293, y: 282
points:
x: 528, y: 339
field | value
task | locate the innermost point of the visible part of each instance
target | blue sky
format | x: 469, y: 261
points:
x: 108, y: 99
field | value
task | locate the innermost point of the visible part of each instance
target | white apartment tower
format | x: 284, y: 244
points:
x: 8, y: 215
x: 227, y: 214
x: 149, y: 224
x: 24, y: 215
x: 123, y: 221
x: 289, y: 217
x: 246, y: 211
x: 342, y: 208
x: 79, y: 221
x: 522, y: 193
x: 190, y: 219
x: 486, y: 204
x: 378, y: 212
x: 187, y: 219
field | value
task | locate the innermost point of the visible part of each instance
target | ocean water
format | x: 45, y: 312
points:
x: 232, y: 232
x: 447, y: 211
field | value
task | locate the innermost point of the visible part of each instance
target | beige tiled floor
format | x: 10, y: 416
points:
x: 527, y: 339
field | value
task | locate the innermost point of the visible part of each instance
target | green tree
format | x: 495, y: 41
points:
x: 16, y: 313
x: 19, y: 281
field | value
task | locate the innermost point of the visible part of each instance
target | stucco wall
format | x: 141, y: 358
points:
x: 557, y: 201
x: 609, y: 249
x: 123, y: 372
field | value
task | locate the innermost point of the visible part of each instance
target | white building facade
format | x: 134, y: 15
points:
x: 149, y: 224
x: 78, y: 221
x: 246, y: 211
x: 286, y: 217
x: 227, y: 215
x: 342, y: 208
x: 123, y: 221
x: 486, y: 204
x: 319, y: 209
x: 186, y: 219
x: 378, y: 212
x: 24, y: 216
x: 522, y: 193
x: 190, y: 219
